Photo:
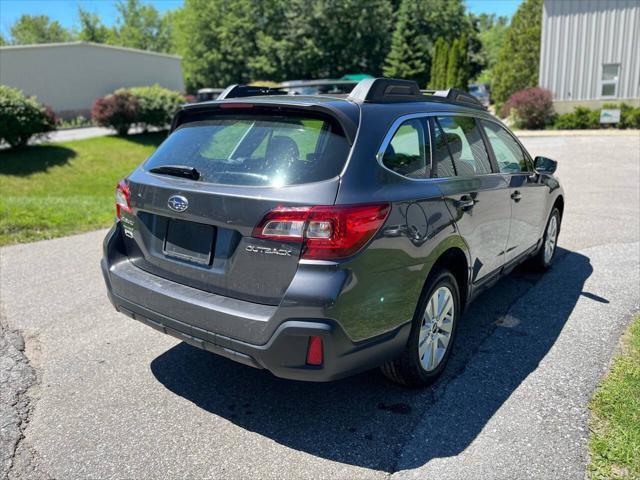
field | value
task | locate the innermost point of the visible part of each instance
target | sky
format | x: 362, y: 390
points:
x: 66, y: 11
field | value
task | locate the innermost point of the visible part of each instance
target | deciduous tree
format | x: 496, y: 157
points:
x: 519, y: 57
x: 30, y: 29
x: 91, y: 27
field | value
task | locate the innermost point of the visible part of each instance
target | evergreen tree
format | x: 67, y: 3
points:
x: 418, y: 25
x: 438, y: 80
x: 453, y: 64
x: 458, y: 69
x: 463, y: 72
x: 519, y: 57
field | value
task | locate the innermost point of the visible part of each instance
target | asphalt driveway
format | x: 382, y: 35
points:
x: 115, y: 399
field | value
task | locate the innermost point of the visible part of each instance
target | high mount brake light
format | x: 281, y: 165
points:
x: 123, y: 198
x: 327, y: 232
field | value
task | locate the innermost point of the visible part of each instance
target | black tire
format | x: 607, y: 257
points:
x: 407, y: 369
x: 540, y: 262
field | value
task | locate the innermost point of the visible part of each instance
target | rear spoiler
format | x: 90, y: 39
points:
x: 348, y: 122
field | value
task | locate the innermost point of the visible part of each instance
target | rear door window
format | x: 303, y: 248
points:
x: 259, y: 149
x: 465, y: 145
x: 509, y: 155
x: 408, y: 151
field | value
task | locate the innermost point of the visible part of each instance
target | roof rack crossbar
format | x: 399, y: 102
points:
x: 239, y: 91
x: 389, y: 90
x: 457, y: 95
x: 385, y: 90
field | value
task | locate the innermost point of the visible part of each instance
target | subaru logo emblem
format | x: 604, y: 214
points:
x: 178, y: 203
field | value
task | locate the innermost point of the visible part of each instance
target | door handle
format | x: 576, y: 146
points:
x: 516, y: 196
x: 465, y: 203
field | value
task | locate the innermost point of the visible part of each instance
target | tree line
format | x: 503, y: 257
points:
x: 435, y: 42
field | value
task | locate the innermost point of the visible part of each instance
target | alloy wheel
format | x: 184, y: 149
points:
x: 436, y: 328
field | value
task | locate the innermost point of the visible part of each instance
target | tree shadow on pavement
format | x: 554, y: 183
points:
x: 23, y: 162
x: 365, y: 420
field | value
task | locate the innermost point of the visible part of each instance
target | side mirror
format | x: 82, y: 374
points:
x: 545, y: 165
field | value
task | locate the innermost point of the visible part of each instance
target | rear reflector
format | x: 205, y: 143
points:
x: 315, y: 353
x: 327, y: 232
x: 123, y: 198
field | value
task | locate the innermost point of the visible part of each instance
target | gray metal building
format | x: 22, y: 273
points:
x: 70, y: 76
x: 590, y: 52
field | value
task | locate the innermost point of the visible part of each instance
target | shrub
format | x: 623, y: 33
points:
x: 22, y: 117
x: 531, y: 108
x: 629, y: 116
x: 580, y: 119
x: 118, y: 110
x: 156, y: 105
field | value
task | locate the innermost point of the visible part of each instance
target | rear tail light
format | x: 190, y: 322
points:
x: 315, y: 351
x: 123, y: 198
x: 328, y: 233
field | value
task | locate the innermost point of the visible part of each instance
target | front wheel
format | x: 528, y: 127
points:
x: 543, y: 259
x: 432, y: 334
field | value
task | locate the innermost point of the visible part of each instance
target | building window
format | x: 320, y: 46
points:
x: 610, y: 76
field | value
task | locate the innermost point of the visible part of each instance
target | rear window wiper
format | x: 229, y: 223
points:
x: 177, y: 171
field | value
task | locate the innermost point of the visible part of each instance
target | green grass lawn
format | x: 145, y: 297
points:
x: 615, y: 438
x: 58, y: 189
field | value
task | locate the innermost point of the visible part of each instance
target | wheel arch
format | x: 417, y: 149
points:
x: 453, y: 255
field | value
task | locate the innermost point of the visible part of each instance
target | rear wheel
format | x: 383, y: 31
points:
x: 432, y: 334
x: 543, y: 259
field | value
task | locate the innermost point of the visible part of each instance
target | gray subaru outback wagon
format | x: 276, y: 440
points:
x: 320, y: 236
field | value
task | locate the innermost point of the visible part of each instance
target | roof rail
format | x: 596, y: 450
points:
x: 238, y: 91
x: 385, y: 90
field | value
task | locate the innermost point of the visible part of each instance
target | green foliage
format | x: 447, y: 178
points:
x: 438, y: 77
x: 156, y: 105
x: 64, y: 188
x: 141, y: 26
x: 78, y: 122
x: 519, y: 57
x: 615, y: 425
x: 29, y: 29
x: 580, y: 119
x: 458, y: 64
x: 22, y: 117
x: 584, y: 118
x: 492, y: 32
x: 91, y: 27
x: 2, y: 40
x: 227, y: 41
x: 326, y: 38
x: 418, y: 26
x: 629, y: 116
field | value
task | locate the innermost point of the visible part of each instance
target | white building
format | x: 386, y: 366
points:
x: 590, y: 52
x: 70, y: 76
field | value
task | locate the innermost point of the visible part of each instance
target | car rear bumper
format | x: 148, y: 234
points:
x: 202, y: 319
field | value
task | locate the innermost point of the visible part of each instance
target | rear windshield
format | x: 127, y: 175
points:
x: 256, y: 149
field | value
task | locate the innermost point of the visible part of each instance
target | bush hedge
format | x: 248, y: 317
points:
x: 531, y: 108
x: 118, y: 110
x: 144, y: 106
x: 584, y: 118
x: 22, y: 117
x: 156, y: 105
